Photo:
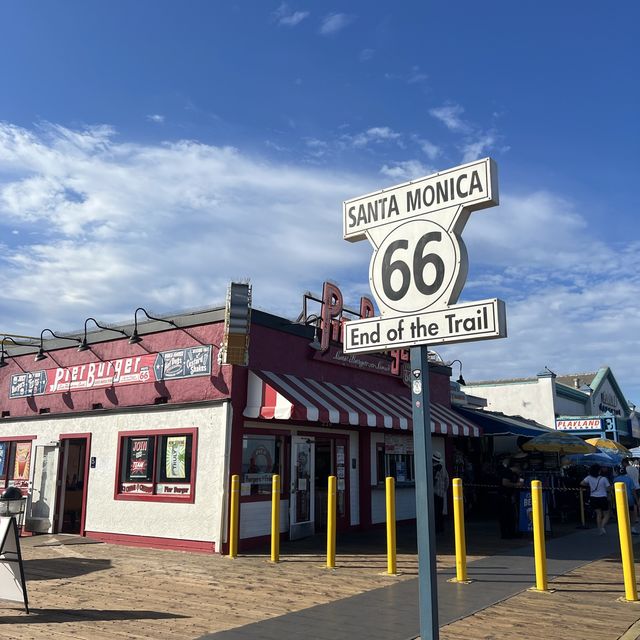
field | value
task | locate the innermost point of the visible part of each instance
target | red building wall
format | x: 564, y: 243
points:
x: 214, y: 387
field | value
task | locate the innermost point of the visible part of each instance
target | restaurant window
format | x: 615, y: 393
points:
x: 157, y: 465
x: 15, y: 463
x: 261, y: 458
x: 400, y: 466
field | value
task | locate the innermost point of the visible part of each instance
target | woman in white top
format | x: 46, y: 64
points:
x: 599, y: 487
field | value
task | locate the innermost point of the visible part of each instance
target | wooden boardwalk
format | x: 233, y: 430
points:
x: 585, y: 606
x: 99, y: 591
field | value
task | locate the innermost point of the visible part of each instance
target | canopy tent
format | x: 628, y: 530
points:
x: 498, y: 424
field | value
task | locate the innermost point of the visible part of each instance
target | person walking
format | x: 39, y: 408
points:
x: 509, y: 482
x: 440, y: 486
x: 632, y: 471
x: 599, y: 487
x: 625, y: 478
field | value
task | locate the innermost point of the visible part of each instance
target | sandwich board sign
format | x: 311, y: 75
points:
x: 417, y: 271
x: 12, y: 583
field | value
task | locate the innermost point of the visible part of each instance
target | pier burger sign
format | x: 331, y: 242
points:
x: 419, y: 263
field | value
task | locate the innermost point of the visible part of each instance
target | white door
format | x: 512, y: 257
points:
x: 41, y: 503
x: 302, y: 503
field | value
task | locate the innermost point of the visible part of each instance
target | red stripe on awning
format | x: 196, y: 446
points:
x: 276, y: 396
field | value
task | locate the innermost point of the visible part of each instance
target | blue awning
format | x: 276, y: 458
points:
x: 496, y: 424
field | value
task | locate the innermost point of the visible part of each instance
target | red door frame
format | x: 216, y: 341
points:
x: 85, y: 482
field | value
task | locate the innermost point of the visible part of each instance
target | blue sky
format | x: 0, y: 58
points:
x: 152, y: 151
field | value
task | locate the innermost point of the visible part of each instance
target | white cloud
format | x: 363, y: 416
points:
x: 109, y: 225
x: 407, y: 170
x: 317, y: 148
x: 285, y: 17
x: 366, y: 54
x: 156, y: 117
x: 451, y: 116
x: 416, y: 76
x: 568, y: 328
x: 375, y: 134
x: 275, y: 146
x: 334, y: 22
x: 478, y: 147
x: 431, y: 150
x: 476, y: 142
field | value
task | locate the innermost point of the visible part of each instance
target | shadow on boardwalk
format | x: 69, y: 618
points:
x: 63, y: 567
x: 47, y: 616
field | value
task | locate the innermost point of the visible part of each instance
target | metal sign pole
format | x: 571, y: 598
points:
x: 425, y: 518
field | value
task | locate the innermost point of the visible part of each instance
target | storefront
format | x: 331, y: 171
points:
x: 135, y: 438
x: 563, y: 401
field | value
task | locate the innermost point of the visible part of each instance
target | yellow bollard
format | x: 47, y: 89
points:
x: 539, y: 549
x: 275, y: 518
x: 460, y: 538
x: 235, y: 516
x: 391, y: 526
x: 626, y: 545
x: 331, y: 524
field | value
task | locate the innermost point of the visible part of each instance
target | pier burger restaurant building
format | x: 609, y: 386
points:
x: 130, y: 434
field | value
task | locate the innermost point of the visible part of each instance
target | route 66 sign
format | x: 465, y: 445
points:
x: 419, y: 263
x: 419, y: 260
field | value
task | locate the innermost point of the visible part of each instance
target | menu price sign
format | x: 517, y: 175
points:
x: 30, y: 383
x: 183, y: 363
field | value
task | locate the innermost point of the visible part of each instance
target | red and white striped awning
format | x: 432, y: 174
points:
x: 279, y: 396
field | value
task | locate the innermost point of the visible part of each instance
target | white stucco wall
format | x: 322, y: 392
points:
x: 405, y: 504
x: 200, y: 521
x: 529, y: 399
x: 569, y: 407
x: 255, y: 518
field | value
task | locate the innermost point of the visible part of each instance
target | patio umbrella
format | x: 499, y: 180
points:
x: 559, y: 442
x: 603, y: 459
x: 609, y: 445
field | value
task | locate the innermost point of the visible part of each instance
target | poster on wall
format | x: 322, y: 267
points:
x: 23, y: 461
x: 139, y: 458
x: 175, y: 458
x: 3, y: 458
